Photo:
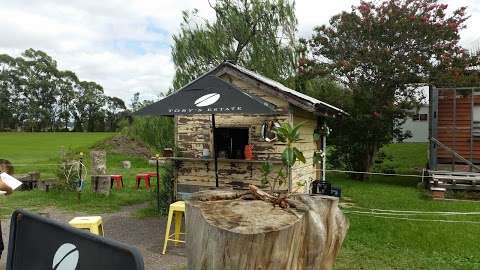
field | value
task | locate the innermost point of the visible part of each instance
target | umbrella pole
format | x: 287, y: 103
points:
x: 215, y: 162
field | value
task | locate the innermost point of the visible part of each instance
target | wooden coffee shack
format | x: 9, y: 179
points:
x: 197, y: 142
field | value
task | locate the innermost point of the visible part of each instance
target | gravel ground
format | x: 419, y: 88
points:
x: 145, y: 234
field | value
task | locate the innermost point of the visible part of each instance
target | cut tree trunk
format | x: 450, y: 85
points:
x: 226, y: 231
x: 99, y: 162
x: 100, y: 181
x: 101, y: 184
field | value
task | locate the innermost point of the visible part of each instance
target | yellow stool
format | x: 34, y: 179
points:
x: 93, y: 224
x: 177, y: 208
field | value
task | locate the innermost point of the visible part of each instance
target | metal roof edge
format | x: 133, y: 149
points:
x: 282, y: 88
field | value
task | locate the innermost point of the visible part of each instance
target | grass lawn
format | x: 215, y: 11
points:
x: 37, y: 151
x: 404, y: 157
x: 381, y: 243
x: 25, y: 147
x: 371, y: 242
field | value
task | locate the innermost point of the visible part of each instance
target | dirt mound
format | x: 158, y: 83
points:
x: 121, y: 144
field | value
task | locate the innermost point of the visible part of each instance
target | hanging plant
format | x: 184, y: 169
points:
x: 320, y: 132
x: 318, y: 156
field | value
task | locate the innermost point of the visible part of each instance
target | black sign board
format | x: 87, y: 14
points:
x: 209, y: 95
x: 39, y: 243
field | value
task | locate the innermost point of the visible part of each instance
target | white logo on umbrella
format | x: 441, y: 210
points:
x: 66, y: 257
x: 207, y: 99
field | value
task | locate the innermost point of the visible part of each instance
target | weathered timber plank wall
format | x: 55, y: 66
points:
x: 193, y: 134
x: 304, y: 172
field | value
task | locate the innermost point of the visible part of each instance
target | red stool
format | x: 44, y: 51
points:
x: 145, y: 177
x: 118, y: 179
x: 152, y: 174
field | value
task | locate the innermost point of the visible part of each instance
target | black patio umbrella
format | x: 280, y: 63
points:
x: 209, y: 95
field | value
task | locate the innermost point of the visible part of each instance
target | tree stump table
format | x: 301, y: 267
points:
x: 100, y: 181
x: 227, y: 231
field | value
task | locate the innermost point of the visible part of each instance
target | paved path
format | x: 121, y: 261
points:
x: 145, y: 234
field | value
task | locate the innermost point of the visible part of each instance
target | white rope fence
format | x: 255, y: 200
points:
x: 329, y: 170
x: 378, y: 173
x: 372, y: 212
x: 406, y: 212
x: 35, y: 165
x: 409, y: 215
x: 369, y: 214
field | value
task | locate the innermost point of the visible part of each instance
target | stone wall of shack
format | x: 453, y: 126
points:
x: 193, y: 134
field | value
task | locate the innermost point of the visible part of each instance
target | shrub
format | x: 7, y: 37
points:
x: 166, y: 188
x: 69, y: 171
x: 157, y: 132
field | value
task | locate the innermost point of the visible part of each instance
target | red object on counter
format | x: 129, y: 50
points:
x: 248, y: 152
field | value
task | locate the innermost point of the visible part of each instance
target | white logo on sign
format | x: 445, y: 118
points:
x: 207, y: 100
x: 66, y: 257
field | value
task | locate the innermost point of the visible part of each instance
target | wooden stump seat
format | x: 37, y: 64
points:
x: 226, y: 232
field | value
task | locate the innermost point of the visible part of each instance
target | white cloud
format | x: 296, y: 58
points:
x: 315, y: 13
x: 125, y: 45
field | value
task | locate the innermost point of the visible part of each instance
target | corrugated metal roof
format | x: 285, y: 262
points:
x: 283, y: 88
x: 274, y: 84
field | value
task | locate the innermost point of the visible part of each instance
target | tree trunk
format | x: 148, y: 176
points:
x: 366, y: 163
x: 99, y: 180
x: 228, y: 232
x: 99, y: 162
x: 101, y: 184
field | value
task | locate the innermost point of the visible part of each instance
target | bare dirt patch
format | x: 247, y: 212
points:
x: 146, y: 234
x: 121, y: 144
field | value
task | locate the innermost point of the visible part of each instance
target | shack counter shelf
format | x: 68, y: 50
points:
x: 205, y: 133
x: 250, y: 170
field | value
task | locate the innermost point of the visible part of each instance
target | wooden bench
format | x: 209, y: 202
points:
x: 455, y: 180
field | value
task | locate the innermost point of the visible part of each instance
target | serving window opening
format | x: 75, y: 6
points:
x: 230, y: 142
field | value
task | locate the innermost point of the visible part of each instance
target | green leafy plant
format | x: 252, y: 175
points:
x: 70, y: 171
x: 267, y: 180
x: 166, y: 187
x: 252, y: 33
x: 156, y: 132
x: 391, y: 45
x: 289, y: 135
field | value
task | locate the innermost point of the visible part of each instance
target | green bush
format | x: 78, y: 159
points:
x: 157, y: 132
x: 166, y: 188
x: 69, y: 170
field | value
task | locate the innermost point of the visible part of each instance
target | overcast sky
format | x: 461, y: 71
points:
x: 125, y: 45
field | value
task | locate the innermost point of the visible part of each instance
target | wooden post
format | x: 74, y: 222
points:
x: 324, y: 157
x: 227, y: 232
x: 101, y: 184
x: 215, y: 161
x: 157, y: 157
x: 100, y: 181
x: 80, y: 177
x: 318, y: 147
x: 99, y: 162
